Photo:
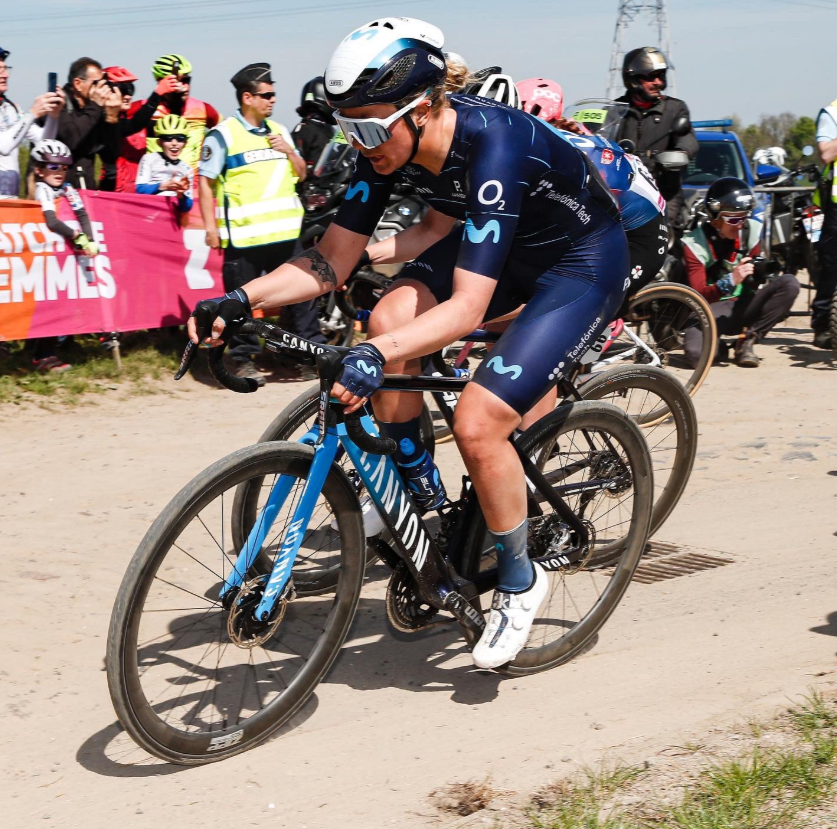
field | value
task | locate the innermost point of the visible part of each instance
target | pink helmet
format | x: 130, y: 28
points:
x: 542, y: 98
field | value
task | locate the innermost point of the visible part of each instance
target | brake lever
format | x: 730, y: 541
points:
x: 203, y: 324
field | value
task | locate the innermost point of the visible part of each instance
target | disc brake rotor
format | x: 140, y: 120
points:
x: 244, y: 630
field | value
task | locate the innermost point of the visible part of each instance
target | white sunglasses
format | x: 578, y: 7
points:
x: 372, y: 132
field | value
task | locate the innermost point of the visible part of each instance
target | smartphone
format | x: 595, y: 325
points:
x: 52, y: 82
x: 175, y: 68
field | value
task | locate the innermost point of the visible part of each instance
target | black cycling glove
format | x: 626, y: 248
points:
x: 232, y: 307
x: 363, y: 370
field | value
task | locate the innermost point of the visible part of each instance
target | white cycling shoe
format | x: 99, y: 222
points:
x: 509, y: 623
x: 373, y: 524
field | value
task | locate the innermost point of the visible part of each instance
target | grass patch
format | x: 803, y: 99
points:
x: 464, y: 798
x: 147, y: 357
x: 784, y: 787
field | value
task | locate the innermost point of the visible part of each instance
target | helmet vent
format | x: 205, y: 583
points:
x: 395, y: 76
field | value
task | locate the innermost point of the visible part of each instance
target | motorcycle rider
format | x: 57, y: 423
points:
x: 656, y: 122
x: 718, y: 257
x: 316, y: 129
x: 826, y: 198
x: 488, y: 165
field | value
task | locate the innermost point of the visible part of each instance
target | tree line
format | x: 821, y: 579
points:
x: 785, y: 130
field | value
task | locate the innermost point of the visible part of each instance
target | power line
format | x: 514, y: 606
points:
x: 236, y: 16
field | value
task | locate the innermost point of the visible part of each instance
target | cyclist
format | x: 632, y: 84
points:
x: 539, y: 227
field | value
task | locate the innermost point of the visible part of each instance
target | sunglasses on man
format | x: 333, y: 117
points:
x: 372, y: 132
x: 734, y: 221
x: 268, y: 96
x: 125, y: 87
x: 659, y: 75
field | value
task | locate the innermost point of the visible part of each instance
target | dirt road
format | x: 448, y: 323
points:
x: 395, y: 720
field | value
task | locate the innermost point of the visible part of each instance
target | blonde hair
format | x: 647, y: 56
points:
x: 457, y: 77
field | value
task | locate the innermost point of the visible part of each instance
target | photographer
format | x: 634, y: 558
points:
x: 89, y: 124
x: 721, y: 257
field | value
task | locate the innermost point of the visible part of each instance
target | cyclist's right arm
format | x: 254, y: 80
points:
x: 412, y: 242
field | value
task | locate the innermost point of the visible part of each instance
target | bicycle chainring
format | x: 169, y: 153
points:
x: 406, y: 610
x: 244, y: 630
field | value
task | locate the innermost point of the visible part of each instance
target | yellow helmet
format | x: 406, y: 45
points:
x: 171, y: 65
x: 171, y: 125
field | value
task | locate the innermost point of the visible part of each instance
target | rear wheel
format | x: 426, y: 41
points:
x: 595, y: 458
x: 640, y: 392
x: 660, y: 315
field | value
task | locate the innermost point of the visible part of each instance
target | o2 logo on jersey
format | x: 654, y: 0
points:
x: 491, y: 193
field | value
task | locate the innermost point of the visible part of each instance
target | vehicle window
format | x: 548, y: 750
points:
x: 714, y: 159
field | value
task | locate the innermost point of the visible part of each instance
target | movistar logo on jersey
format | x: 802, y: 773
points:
x: 361, y: 187
x: 496, y: 365
x: 478, y: 235
x: 366, y: 368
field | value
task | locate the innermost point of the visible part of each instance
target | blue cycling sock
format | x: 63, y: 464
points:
x: 515, y: 570
x: 407, y: 437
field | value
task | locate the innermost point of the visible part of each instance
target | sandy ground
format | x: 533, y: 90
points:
x: 395, y: 720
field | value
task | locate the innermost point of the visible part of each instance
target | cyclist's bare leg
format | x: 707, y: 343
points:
x: 543, y: 407
x: 402, y: 303
x: 481, y: 427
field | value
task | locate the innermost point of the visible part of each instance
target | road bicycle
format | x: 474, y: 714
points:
x: 209, y: 651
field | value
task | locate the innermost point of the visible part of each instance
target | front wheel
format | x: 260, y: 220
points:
x: 194, y: 678
x: 595, y: 458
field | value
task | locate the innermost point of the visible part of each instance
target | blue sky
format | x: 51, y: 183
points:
x: 749, y: 57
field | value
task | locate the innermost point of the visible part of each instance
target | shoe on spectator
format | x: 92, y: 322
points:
x: 745, y: 357
x: 55, y: 364
x: 822, y: 339
x: 249, y: 369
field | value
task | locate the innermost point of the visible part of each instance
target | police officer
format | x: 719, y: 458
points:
x: 656, y: 122
x: 250, y: 168
x: 313, y: 133
x: 826, y: 197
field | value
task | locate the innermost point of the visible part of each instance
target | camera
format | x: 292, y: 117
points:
x: 764, y: 270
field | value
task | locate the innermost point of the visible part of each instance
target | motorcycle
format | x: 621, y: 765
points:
x: 793, y: 221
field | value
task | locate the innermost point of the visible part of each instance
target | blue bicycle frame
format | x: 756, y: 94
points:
x: 384, y: 485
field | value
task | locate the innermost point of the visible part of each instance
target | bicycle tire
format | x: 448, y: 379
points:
x: 567, y: 418
x: 295, y: 418
x: 640, y: 306
x: 146, y: 726
x: 618, y: 383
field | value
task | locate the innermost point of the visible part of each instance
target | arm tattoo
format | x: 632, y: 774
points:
x: 318, y: 266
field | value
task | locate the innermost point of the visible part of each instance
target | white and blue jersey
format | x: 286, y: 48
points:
x: 627, y: 177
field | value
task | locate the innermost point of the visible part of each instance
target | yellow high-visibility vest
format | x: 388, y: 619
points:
x: 256, y: 196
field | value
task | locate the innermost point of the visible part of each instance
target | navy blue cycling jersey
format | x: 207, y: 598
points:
x: 627, y: 177
x: 524, y: 192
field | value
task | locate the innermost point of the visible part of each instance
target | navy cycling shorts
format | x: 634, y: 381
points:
x: 567, y: 307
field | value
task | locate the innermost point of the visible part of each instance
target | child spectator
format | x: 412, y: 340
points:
x: 165, y: 173
x: 51, y: 160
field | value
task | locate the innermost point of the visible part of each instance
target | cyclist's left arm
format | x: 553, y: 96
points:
x: 412, y: 242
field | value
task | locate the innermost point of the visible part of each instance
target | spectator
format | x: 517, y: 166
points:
x: 718, y: 256
x: 174, y: 76
x: 655, y: 123
x: 17, y: 126
x: 165, y: 173
x: 88, y: 124
x: 826, y: 198
x: 117, y: 173
x: 51, y: 160
x: 313, y: 133
x: 259, y: 215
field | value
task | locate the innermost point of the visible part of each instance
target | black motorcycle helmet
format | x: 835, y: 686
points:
x: 729, y: 195
x: 642, y: 61
x: 314, y: 100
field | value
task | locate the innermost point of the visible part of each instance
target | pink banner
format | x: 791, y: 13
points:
x: 153, y: 267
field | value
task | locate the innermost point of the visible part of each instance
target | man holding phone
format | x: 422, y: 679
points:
x: 89, y: 124
x: 17, y: 126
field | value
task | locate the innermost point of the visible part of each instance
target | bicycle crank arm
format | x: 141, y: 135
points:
x: 471, y: 620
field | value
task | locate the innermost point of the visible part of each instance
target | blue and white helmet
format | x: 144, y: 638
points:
x: 385, y: 62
